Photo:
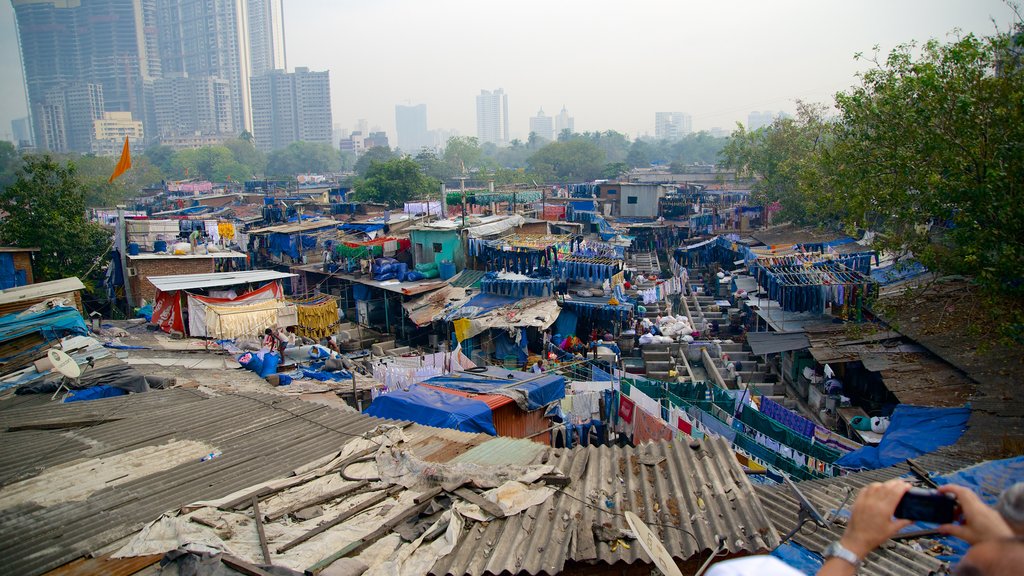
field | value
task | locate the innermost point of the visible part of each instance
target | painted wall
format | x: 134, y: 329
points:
x: 436, y: 246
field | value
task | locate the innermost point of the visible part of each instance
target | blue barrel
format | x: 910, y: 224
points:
x: 133, y: 248
x: 447, y: 269
x: 159, y: 246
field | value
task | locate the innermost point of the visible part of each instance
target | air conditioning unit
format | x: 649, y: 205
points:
x: 132, y: 272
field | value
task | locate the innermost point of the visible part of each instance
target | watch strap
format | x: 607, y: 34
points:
x: 837, y: 550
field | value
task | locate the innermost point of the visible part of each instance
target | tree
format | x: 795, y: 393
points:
x: 45, y: 208
x: 613, y: 170
x: 246, y: 154
x: 462, y: 153
x: 94, y: 174
x: 929, y: 152
x: 394, y: 182
x: 432, y: 165
x: 303, y: 158
x: 162, y: 157
x: 214, y: 163
x: 375, y: 154
x: 568, y: 161
x: 10, y: 161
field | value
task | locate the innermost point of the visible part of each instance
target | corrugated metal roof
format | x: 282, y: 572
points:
x: 688, y: 497
x: 40, y: 290
x: 828, y: 495
x: 260, y: 437
x: 194, y: 281
x: 296, y: 227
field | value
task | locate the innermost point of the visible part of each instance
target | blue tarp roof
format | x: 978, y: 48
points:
x: 361, y: 227
x: 434, y: 408
x: 480, y: 304
x: 913, y: 431
x: 540, y: 391
x: 52, y: 324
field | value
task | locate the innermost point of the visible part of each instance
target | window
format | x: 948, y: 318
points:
x: 631, y: 200
x: 437, y: 247
x: 612, y: 191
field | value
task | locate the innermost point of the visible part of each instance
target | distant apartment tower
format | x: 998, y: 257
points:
x: 411, y: 125
x: 757, y: 119
x: 377, y: 140
x: 492, y: 117
x: 266, y: 36
x: 201, y: 106
x: 564, y: 122
x: 21, y: 130
x: 291, y: 107
x: 74, y: 42
x: 543, y: 125
x: 672, y: 125
x: 110, y: 131
x: 65, y: 117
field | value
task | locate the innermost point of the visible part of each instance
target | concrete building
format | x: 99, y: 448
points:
x: 208, y: 38
x: 542, y: 125
x: 672, y: 125
x: 291, y: 107
x: 66, y: 117
x: 266, y: 36
x: 110, y: 131
x: 411, y: 125
x: 69, y: 42
x: 21, y: 131
x: 492, y: 117
x: 564, y: 122
x: 376, y: 140
x: 757, y: 119
x: 184, y: 105
x: 193, y: 141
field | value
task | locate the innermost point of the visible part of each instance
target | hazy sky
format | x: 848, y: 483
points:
x: 612, y: 64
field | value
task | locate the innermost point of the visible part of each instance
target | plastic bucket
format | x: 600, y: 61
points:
x: 160, y: 246
x: 447, y: 269
x: 133, y: 248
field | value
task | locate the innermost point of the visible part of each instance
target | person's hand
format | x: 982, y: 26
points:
x: 980, y: 521
x: 871, y: 522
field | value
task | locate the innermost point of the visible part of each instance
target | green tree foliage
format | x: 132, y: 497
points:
x: 433, y: 165
x: 463, y: 154
x: 575, y: 160
x: 614, y: 170
x: 162, y: 157
x: 214, y: 163
x: 10, y: 161
x: 929, y: 151
x: 246, y: 154
x: 781, y: 156
x: 45, y: 208
x: 303, y: 158
x: 375, y: 154
x: 94, y: 174
x: 394, y: 182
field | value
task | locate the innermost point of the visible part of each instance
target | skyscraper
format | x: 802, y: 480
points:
x: 79, y: 42
x: 411, y: 124
x: 542, y: 125
x: 291, y: 107
x: 564, y: 122
x: 66, y: 115
x: 193, y: 106
x: 208, y: 38
x: 672, y: 125
x: 758, y: 119
x: 492, y: 117
x: 266, y: 36
x: 21, y: 129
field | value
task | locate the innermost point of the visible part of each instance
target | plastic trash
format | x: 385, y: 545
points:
x: 209, y: 456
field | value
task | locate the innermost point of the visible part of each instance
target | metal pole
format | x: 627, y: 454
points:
x: 122, y: 234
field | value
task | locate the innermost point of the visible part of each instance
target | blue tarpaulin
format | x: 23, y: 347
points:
x: 480, y: 304
x: 95, y: 393
x: 541, y: 390
x: 799, y: 557
x: 52, y: 324
x: 913, y: 431
x: 356, y: 227
x: 434, y: 408
x: 565, y: 324
x: 506, y: 347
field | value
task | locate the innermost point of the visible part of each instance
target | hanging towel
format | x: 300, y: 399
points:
x: 462, y: 326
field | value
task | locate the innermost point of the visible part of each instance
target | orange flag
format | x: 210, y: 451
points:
x: 124, y: 163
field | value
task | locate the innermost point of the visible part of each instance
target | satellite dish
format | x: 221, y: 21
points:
x: 63, y: 363
x: 652, y: 545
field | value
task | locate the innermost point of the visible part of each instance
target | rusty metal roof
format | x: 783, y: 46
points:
x: 829, y: 494
x: 688, y: 496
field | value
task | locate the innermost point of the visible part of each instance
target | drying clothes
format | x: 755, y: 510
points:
x: 585, y: 404
x: 232, y: 322
x: 462, y: 327
x: 648, y: 428
x: 226, y: 230
x: 643, y: 401
x: 627, y: 409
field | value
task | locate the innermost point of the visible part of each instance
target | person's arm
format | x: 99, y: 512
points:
x: 980, y: 521
x: 871, y: 524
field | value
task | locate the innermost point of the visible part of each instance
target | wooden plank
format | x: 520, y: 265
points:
x: 333, y: 494
x: 325, y: 526
x: 259, y: 530
x: 486, y: 505
x: 243, y: 566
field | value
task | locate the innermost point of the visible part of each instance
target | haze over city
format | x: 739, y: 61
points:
x: 612, y: 65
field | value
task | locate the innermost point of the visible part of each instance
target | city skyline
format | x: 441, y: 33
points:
x: 724, y: 72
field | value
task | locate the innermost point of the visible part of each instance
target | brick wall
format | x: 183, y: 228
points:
x: 142, y: 288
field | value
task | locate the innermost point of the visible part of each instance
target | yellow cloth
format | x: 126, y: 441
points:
x: 317, y: 321
x: 461, y: 328
x: 238, y: 321
x: 226, y: 230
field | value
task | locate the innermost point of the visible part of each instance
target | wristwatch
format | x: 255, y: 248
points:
x: 836, y: 550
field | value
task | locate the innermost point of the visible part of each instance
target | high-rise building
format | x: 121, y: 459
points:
x: 492, y: 117
x: 110, y: 131
x: 21, y: 129
x: 266, y: 36
x: 291, y: 107
x: 80, y: 42
x: 757, y: 119
x: 672, y: 125
x: 411, y: 124
x: 66, y: 116
x: 202, y: 106
x: 564, y: 122
x: 542, y: 125
x: 208, y: 38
